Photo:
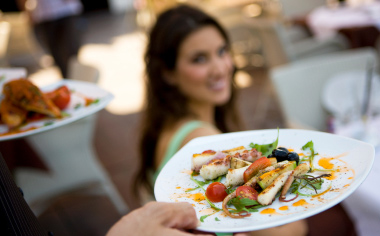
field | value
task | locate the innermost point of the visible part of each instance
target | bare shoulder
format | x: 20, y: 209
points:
x: 204, y: 130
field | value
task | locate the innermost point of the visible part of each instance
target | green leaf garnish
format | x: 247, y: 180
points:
x: 230, y: 190
x: 77, y: 106
x: 266, y: 149
x: 216, y: 219
x: 94, y: 101
x: 64, y: 114
x: 48, y: 123
x: 244, y: 204
x: 310, y: 145
x: 309, y: 182
x: 204, y: 217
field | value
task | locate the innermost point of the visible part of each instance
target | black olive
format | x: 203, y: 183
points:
x: 281, y: 154
x: 270, y: 156
x: 282, y: 148
x: 293, y: 156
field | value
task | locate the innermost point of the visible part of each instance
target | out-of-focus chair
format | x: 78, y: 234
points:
x: 292, y: 9
x: 299, y: 85
x: 23, y: 48
x: 69, y: 154
x: 279, y: 48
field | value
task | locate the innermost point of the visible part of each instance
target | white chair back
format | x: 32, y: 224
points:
x: 299, y: 85
x: 298, y: 8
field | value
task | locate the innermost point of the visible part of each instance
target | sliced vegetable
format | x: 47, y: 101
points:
x: 266, y: 179
x: 254, y: 168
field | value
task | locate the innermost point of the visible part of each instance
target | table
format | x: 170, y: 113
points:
x: 363, y: 205
x: 360, y: 24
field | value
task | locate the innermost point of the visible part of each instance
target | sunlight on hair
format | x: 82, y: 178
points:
x: 121, y: 68
x: 243, y: 79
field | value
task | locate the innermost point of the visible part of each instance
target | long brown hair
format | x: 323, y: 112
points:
x: 163, y: 101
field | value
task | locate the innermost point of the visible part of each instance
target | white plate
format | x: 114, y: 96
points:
x: 354, y: 158
x: 76, y: 109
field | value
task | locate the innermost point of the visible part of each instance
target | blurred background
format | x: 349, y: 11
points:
x: 271, y: 39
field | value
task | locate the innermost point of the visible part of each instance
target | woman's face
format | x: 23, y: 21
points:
x: 204, y: 68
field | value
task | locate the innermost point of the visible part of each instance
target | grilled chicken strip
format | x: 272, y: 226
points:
x: 269, y: 193
x: 216, y: 168
x: 235, y: 177
x: 26, y: 95
x: 207, y: 157
x: 12, y: 115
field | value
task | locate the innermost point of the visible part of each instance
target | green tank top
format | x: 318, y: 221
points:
x: 176, y: 141
x: 175, y: 144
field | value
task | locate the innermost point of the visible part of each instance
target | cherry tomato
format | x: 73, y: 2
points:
x: 60, y: 97
x: 247, y: 192
x: 257, y: 165
x: 216, y: 192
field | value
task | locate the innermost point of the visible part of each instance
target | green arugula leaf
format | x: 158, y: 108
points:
x: 65, y: 114
x: 48, y: 123
x: 204, y: 217
x: 241, y: 204
x: 94, y: 101
x: 216, y: 219
x: 310, y: 145
x: 230, y: 190
x: 266, y: 149
x: 192, y: 189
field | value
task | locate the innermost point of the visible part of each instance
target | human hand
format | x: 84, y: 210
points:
x: 157, y: 218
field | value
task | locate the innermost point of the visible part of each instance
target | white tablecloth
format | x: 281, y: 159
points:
x: 364, y: 204
x: 324, y: 22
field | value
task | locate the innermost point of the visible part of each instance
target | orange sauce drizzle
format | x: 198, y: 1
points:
x: 284, y: 208
x: 301, y: 202
x: 178, y: 187
x: 189, y: 172
x: 320, y: 194
x: 208, y: 211
x: 197, y: 197
x: 269, y: 211
x: 88, y: 101
x: 326, y: 162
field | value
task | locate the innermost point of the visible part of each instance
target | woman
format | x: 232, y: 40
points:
x: 190, y: 89
x: 190, y: 85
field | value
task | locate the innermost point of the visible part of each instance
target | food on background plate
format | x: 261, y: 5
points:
x: 254, y: 181
x: 24, y: 101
